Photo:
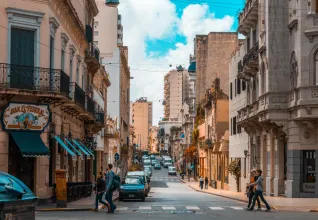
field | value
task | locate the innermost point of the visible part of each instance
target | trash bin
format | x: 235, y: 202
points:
x: 17, y: 201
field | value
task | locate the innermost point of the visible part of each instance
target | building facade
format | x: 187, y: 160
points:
x: 212, y: 54
x: 280, y: 113
x: 142, y: 121
x: 47, y: 93
x: 153, y: 139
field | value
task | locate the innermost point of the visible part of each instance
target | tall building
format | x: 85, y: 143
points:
x: 212, y: 54
x: 279, y: 66
x: 173, y: 92
x: 142, y: 121
x: 153, y: 139
x: 108, y: 36
x: 49, y: 121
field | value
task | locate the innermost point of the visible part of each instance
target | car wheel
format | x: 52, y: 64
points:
x: 143, y: 199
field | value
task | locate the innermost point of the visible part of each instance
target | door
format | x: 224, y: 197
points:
x: 22, y: 59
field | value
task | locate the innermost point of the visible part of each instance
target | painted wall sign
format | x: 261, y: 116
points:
x: 23, y: 116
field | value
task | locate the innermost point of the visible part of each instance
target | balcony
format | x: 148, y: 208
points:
x: 119, y: 42
x: 109, y: 132
x: 250, y: 65
x: 120, y: 31
x: 100, y: 118
x: 90, y: 105
x: 92, y: 59
x: 248, y: 17
x: 33, y: 81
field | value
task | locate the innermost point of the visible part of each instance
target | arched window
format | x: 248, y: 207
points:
x: 294, y: 71
x: 316, y: 69
x: 263, y: 79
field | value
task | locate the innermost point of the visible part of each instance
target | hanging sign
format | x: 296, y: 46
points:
x: 23, y: 116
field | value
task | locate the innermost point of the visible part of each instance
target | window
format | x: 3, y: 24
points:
x: 294, y: 70
x: 309, y: 172
x: 71, y: 70
x: 63, y: 60
x: 235, y: 87
x: 243, y: 85
x: 238, y: 86
x: 83, y: 79
x: 96, y: 43
x: 95, y: 24
x: 231, y: 91
x: 51, y: 52
x: 316, y: 6
x: 316, y: 69
x: 248, y: 44
x: 95, y: 33
x: 77, y: 73
x: 254, y: 36
x: 234, y: 125
x: 263, y: 79
x: 231, y: 126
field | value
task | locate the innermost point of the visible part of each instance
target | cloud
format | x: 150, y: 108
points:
x: 158, y: 20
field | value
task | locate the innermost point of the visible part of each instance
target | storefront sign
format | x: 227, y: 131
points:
x: 309, y: 187
x: 21, y: 116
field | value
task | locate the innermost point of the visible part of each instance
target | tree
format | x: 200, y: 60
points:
x: 190, y: 153
x: 234, y: 169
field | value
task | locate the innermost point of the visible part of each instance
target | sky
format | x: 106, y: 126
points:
x: 159, y: 35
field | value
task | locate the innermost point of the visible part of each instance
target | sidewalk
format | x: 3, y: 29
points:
x: 85, y: 204
x: 281, y: 203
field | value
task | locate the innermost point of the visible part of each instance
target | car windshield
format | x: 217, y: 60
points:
x: 132, y: 181
x: 172, y: 169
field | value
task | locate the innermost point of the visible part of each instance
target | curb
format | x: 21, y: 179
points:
x: 313, y: 210
x: 68, y: 209
x: 227, y: 197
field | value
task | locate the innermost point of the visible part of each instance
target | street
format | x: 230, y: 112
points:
x: 170, y: 198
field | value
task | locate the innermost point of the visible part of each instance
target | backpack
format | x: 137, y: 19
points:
x: 116, y: 182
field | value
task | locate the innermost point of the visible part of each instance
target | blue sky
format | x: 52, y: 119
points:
x: 160, y: 33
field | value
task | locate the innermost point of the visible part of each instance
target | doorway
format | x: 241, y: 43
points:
x: 19, y: 166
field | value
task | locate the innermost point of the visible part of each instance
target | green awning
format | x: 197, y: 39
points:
x: 74, y: 148
x: 30, y: 144
x: 87, y: 149
x: 64, y: 146
x: 81, y: 148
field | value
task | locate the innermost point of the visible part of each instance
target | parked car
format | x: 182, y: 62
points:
x: 148, y: 170
x: 172, y: 171
x: 147, y: 162
x: 152, y: 157
x: 167, y: 164
x: 145, y: 179
x: 148, y: 165
x: 157, y: 166
x: 153, y: 162
x: 134, y: 188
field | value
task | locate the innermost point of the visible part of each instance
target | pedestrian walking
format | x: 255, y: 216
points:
x: 100, y: 189
x: 259, y: 191
x: 206, y: 182
x: 251, y: 190
x: 201, y: 182
x: 109, y: 192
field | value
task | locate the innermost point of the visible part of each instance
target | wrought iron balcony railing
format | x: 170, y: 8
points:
x: 94, y: 52
x: 77, y: 94
x: 90, y: 105
x: 252, y: 55
x: 99, y: 117
x: 239, y: 66
x: 14, y: 76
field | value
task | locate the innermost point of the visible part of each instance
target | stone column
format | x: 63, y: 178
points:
x: 270, y: 164
x: 264, y: 158
x: 294, y: 158
x: 61, y: 188
x: 279, y: 166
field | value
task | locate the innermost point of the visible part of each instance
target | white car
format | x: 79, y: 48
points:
x: 172, y: 171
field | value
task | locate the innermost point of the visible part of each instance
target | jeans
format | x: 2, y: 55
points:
x: 250, y: 199
x: 259, y: 194
x: 201, y: 184
x: 109, y: 198
x: 99, y: 198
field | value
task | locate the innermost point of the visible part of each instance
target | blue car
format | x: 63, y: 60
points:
x: 132, y: 188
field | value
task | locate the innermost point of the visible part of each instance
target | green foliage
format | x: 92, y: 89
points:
x: 234, y: 169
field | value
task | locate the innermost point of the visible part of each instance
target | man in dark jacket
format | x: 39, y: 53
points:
x: 109, y: 193
x: 99, y: 190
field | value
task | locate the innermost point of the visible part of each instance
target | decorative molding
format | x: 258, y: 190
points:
x: 72, y: 50
x: 308, y: 110
x: 314, y: 93
x: 293, y: 24
x: 54, y: 25
x: 311, y: 34
x: 279, y: 99
x: 280, y: 123
x: 65, y: 40
x: 315, y: 19
x: 15, y: 14
x: 79, y: 60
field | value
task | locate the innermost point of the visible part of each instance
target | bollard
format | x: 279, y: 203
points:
x: 61, y: 188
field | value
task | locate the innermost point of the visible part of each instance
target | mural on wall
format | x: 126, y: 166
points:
x: 23, y: 116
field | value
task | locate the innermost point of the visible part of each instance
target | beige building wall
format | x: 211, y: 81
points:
x: 141, y: 118
x: 153, y: 138
x: 213, y: 53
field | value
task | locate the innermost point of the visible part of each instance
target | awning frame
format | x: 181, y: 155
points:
x: 59, y: 140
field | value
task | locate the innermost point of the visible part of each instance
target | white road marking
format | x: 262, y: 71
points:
x: 168, y: 208
x: 145, y: 207
x: 237, y: 208
x: 122, y: 209
x: 192, y: 207
x: 216, y: 208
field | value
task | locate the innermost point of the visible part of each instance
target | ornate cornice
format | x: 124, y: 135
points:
x: 93, y: 7
x: 72, y: 50
x: 54, y: 25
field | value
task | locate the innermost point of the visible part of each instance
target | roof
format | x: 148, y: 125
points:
x: 193, y: 67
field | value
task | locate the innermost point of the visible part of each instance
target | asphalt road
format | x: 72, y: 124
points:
x: 170, y: 198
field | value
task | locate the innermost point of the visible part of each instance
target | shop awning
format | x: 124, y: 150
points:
x: 64, y: 146
x: 74, y: 148
x: 30, y: 144
x: 87, y: 149
x: 81, y: 148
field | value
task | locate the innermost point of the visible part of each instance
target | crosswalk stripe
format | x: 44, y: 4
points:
x: 216, y: 208
x: 168, y: 208
x: 237, y: 208
x: 192, y: 207
x: 145, y: 207
x: 122, y: 209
